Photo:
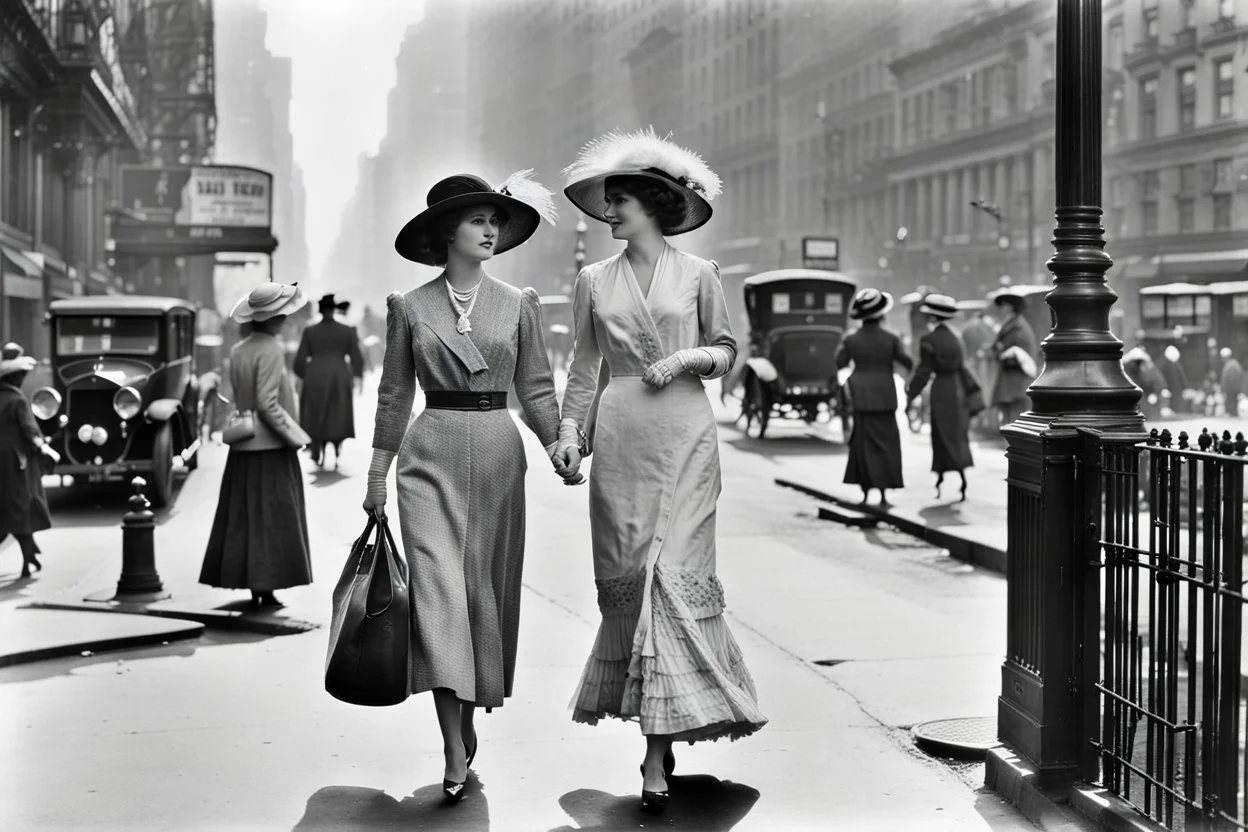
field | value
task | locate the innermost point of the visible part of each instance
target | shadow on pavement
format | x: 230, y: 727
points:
x: 780, y: 446
x: 322, y: 477
x: 698, y: 801
x: 942, y: 515
x: 99, y: 662
x: 334, y: 808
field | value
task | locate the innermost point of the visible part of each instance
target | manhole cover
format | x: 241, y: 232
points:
x: 966, y: 737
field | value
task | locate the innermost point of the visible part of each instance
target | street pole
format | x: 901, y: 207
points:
x: 1047, y: 711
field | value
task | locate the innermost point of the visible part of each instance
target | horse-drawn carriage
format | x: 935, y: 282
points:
x: 797, y: 320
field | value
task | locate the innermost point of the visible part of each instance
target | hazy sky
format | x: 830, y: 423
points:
x: 342, y: 55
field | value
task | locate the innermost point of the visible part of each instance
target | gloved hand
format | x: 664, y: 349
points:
x: 661, y: 373
x: 375, y: 497
x: 566, y: 454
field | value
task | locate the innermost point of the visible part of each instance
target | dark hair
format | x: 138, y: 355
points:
x: 15, y: 378
x: 270, y: 326
x: 437, y: 237
x: 667, y: 205
x: 1013, y: 301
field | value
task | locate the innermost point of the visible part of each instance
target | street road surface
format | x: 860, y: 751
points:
x: 852, y: 637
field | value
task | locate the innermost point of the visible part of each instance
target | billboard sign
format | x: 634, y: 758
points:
x: 202, y: 208
x: 821, y: 253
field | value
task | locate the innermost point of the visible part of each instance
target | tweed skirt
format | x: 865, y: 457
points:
x: 259, y: 537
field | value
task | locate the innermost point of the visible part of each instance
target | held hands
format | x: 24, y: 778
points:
x: 661, y: 373
x: 566, y: 454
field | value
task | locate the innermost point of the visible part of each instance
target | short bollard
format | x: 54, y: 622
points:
x: 138, y: 551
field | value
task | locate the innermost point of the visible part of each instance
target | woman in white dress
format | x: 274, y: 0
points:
x: 655, y: 319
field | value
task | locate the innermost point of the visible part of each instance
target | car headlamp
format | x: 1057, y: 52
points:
x: 84, y: 434
x: 99, y: 436
x: 45, y: 403
x: 126, y: 403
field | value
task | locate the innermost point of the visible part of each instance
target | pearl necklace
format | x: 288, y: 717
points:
x: 463, y: 302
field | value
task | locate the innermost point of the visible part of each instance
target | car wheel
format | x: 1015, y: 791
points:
x: 162, y: 466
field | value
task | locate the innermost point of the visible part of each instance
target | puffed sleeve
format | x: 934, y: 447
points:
x: 586, y: 355
x: 535, y: 383
x: 397, y: 390
x: 713, y: 321
x: 270, y: 370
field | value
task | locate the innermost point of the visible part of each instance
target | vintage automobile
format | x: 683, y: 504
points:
x: 123, y: 397
x: 797, y: 320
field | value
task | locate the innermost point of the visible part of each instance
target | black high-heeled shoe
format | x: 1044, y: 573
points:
x: 940, y: 480
x: 655, y: 803
x: 962, y: 499
x: 453, y: 792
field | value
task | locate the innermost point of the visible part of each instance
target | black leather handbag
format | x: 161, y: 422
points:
x: 368, y: 655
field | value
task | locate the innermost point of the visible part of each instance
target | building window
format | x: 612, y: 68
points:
x: 1149, y: 219
x: 1187, y: 15
x: 1226, y: 9
x: 1221, y: 212
x: 1152, y: 25
x: 1113, y: 44
x: 1221, y: 173
x: 1187, y: 214
x: 1187, y: 98
x: 1009, y: 85
x: 1224, y: 91
x: 1148, y: 107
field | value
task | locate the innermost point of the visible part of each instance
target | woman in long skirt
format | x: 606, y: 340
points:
x: 664, y: 655
x: 259, y: 538
x: 875, y: 442
x: 467, y: 338
x: 23, y: 504
x: 329, y: 362
x: 942, y: 362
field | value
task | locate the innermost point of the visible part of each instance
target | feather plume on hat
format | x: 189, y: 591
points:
x: 522, y: 186
x: 618, y: 152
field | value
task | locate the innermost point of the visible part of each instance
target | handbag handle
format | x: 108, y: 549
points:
x: 379, y: 521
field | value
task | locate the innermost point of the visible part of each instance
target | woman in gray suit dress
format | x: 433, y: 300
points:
x: 875, y: 442
x: 259, y: 538
x: 468, y: 338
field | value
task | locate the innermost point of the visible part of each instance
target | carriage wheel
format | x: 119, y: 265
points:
x: 756, y: 395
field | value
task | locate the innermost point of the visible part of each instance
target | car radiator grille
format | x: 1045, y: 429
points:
x: 95, y: 408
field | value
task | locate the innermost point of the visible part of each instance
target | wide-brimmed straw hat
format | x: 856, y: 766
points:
x: 939, y: 306
x: 642, y: 155
x: 870, y: 303
x: 268, y: 300
x: 13, y: 359
x: 524, y: 199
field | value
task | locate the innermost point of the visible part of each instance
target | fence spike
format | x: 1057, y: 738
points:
x: 1241, y: 444
x: 1204, y: 440
x: 1153, y: 435
x: 1226, y: 445
x: 1165, y: 438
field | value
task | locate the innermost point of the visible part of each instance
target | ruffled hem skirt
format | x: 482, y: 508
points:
x: 694, y: 687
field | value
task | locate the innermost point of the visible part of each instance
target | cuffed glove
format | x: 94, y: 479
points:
x: 697, y: 360
x: 377, y: 472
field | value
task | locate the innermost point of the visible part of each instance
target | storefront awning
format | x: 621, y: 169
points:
x: 23, y: 278
x: 1204, y: 262
x: 1144, y: 270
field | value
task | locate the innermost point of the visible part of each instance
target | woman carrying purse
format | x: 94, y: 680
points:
x: 259, y: 538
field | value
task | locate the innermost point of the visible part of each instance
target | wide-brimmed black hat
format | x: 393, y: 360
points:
x: 939, y: 306
x: 642, y: 155
x: 526, y: 202
x: 870, y: 303
x: 330, y: 301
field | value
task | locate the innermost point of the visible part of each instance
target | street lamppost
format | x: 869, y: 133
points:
x: 1047, y: 711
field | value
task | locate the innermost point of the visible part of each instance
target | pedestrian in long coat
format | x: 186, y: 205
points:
x: 656, y: 319
x: 1176, y: 378
x: 942, y: 362
x: 259, y: 537
x: 1232, y: 381
x: 23, y: 504
x: 467, y: 338
x: 1016, y: 351
x: 329, y: 362
x: 875, y: 441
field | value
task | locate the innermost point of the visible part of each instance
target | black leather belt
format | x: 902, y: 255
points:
x: 465, y: 400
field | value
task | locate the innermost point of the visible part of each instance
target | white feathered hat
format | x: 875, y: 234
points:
x: 645, y: 155
x: 526, y: 201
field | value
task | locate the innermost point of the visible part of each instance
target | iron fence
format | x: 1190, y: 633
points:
x: 1165, y: 594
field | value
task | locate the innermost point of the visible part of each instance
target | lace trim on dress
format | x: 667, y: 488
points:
x: 701, y: 592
